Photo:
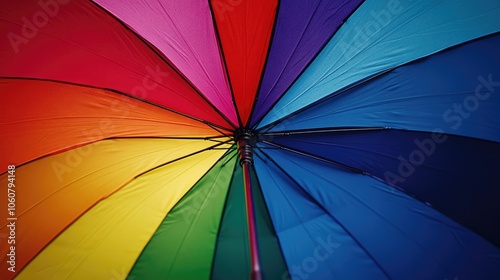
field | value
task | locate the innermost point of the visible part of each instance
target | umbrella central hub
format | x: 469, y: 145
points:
x: 246, y: 140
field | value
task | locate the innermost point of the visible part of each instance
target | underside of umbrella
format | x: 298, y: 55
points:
x: 235, y: 139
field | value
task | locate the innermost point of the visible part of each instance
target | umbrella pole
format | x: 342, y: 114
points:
x: 244, y: 139
x: 252, y: 230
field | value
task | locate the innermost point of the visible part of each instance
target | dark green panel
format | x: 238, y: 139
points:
x: 232, y: 257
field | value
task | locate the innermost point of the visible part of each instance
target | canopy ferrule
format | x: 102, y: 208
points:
x: 245, y: 140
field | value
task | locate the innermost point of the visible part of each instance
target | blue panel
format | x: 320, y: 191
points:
x: 457, y: 175
x: 314, y: 245
x: 455, y: 91
x: 407, y: 238
x: 381, y: 35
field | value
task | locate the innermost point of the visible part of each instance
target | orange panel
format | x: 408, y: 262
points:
x: 40, y: 118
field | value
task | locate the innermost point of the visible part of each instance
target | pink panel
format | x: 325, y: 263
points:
x: 184, y: 32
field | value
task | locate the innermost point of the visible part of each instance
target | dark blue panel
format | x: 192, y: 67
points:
x: 408, y: 239
x: 457, y: 175
x: 457, y: 91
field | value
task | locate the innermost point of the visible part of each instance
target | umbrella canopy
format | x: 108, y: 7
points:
x: 234, y: 139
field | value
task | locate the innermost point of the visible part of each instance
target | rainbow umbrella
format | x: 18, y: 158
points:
x: 233, y: 139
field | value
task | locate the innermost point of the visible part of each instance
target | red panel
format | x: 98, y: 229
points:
x: 245, y: 29
x: 78, y: 42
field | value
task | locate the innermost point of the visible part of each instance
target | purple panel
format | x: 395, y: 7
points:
x: 302, y: 28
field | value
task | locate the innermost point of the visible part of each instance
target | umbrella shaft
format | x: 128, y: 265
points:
x: 252, y: 229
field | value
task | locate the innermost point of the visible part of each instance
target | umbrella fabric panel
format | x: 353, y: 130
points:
x: 452, y: 92
x: 244, y: 29
x: 270, y: 253
x: 407, y: 238
x: 56, y: 117
x: 314, y: 244
x: 184, y: 32
x: 302, y: 28
x: 382, y: 35
x: 56, y: 190
x: 457, y: 175
x: 109, y: 237
x: 182, y: 247
x: 83, y: 44
x: 232, y: 255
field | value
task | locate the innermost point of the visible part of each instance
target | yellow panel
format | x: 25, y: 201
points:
x: 105, y: 242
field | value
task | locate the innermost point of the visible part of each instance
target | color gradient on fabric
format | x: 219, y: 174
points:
x: 130, y: 216
x: 249, y: 139
x: 74, y: 179
x: 92, y: 49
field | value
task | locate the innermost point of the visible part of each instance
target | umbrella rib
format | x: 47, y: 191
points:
x: 231, y: 157
x: 183, y: 157
x: 217, y: 141
x: 324, y: 99
x: 350, y: 168
x: 116, y: 138
x: 165, y: 60
x: 55, y: 153
x: 328, y: 213
x: 214, y: 126
x: 322, y: 130
x: 211, y: 138
x: 218, y: 130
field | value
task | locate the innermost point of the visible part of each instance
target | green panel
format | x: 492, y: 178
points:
x: 272, y: 261
x: 232, y: 257
x: 183, y: 246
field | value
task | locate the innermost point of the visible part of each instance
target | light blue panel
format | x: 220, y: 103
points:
x: 381, y: 35
x: 407, y: 238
